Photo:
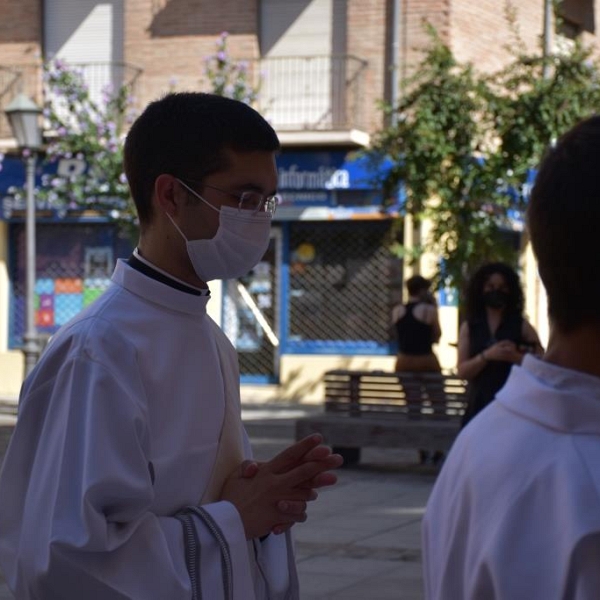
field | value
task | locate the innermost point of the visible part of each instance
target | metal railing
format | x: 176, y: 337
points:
x: 300, y: 93
x: 296, y: 93
x: 108, y: 76
x: 27, y: 79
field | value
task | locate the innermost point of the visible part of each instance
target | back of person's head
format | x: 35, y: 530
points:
x: 417, y: 285
x: 475, y: 299
x: 563, y: 219
x: 188, y: 135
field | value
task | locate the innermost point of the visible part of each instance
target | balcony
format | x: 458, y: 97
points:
x: 307, y: 99
x: 27, y: 79
x: 312, y: 99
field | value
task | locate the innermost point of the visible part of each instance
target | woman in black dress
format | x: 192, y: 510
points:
x: 494, y: 336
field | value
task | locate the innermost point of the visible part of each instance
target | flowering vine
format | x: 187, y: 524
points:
x: 83, y: 163
x: 227, y: 77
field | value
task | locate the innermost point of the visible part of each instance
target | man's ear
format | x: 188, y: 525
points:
x: 165, y: 193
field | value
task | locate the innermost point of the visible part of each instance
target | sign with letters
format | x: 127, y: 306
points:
x: 312, y: 178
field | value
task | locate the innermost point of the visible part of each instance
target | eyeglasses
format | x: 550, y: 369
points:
x: 248, y: 200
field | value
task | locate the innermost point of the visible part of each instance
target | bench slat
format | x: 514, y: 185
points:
x: 377, y: 408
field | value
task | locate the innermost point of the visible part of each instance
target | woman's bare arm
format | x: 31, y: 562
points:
x: 468, y: 367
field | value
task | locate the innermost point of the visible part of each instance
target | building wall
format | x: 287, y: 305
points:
x: 481, y: 32
x: 169, y: 40
x: 20, y: 31
x: 366, y: 38
x: 415, y: 15
x: 369, y: 37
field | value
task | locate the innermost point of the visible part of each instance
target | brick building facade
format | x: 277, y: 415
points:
x: 168, y: 40
x: 325, y: 66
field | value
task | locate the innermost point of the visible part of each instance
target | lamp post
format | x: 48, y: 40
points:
x: 23, y: 115
x: 547, y: 38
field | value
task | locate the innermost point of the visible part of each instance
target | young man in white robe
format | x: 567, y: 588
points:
x: 515, y: 512
x: 128, y: 473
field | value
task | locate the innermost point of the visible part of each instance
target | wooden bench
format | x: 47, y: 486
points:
x: 384, y: 409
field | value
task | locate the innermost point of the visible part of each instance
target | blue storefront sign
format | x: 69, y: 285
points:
x: 12, y: 175
x: 309, y: 178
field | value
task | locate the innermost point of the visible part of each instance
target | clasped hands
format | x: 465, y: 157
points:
x: 504, y: 350
x: 272, y: 496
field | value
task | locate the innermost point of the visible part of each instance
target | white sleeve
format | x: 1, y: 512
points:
x: 75, y: 495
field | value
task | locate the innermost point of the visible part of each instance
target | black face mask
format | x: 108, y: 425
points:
x: 495, y: 299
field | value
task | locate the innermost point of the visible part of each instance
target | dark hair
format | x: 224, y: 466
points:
x: 563, y: 219
x: 475, y: 306
x: 188, y: 135
x: 417, y: 284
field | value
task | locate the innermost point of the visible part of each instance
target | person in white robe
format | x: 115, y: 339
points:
x: 129, y: 473
x: 515, y: 511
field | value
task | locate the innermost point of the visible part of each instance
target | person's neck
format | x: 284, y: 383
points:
x: 164, y: 256
x: 577, y: 350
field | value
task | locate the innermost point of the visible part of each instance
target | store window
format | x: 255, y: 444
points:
x: 251, y: 319
x: 340, y: 290
x: 74, y: 264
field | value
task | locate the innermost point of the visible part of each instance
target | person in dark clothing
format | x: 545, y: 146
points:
x: 494, y: 336
x: 417, y: 328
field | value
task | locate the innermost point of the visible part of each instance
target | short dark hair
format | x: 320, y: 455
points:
x: 416, y: 284
x: 563, y: 219
x: 475, y: 305
x: 188, y: 135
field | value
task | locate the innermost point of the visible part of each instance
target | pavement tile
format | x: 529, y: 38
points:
x: 323, y: 586
x: 403, y: 582
x: 348, y: 567
x: 406, y: 536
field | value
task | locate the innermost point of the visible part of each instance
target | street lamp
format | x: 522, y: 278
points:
x: 23, y: 115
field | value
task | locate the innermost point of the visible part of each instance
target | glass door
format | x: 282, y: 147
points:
x: 251, y: 316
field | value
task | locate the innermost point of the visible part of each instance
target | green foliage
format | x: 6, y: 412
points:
x: 463, y: 143
x: 437, y: 143
x: 227, y: 77
x: 531, y: 111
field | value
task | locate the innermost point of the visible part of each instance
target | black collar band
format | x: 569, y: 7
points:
x: 138, y: 265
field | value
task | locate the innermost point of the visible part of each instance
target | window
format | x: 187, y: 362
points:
x: 340, y: 293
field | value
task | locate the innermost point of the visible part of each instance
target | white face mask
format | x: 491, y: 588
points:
x: 240, y: 242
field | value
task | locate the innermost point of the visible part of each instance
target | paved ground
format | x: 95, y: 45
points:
x: 362, y: 538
